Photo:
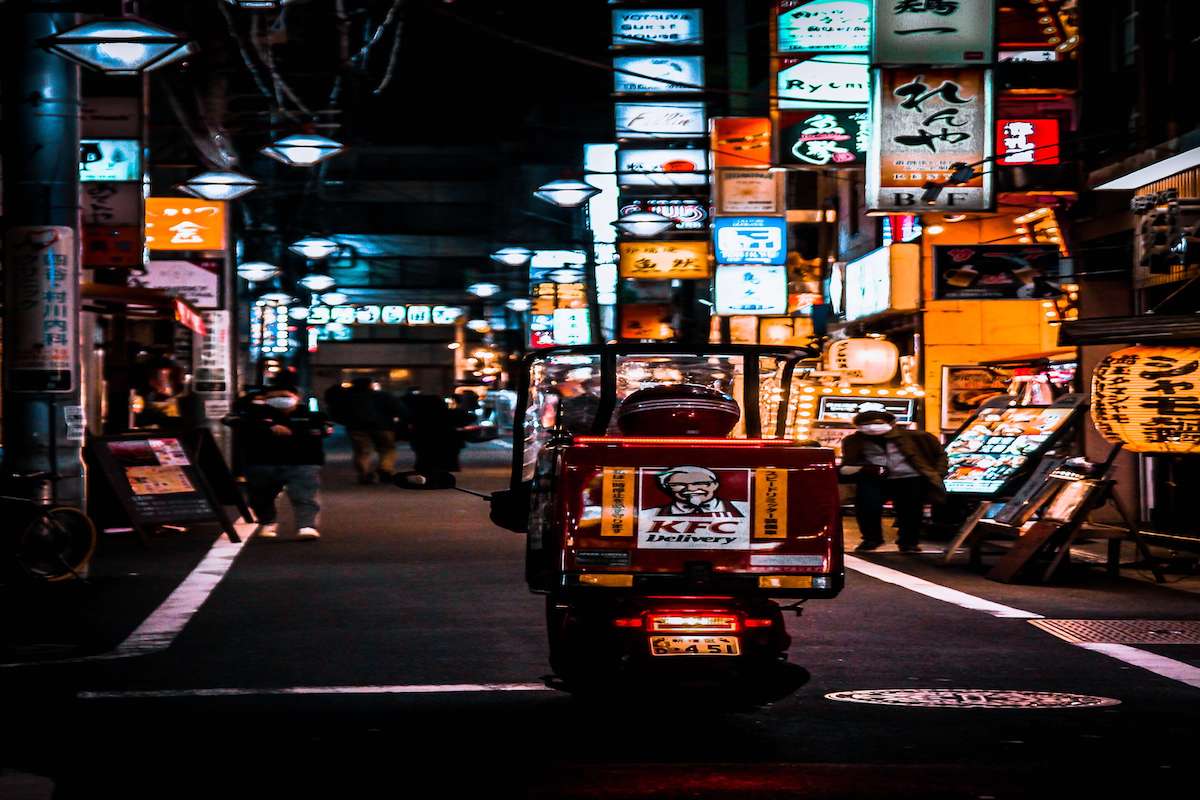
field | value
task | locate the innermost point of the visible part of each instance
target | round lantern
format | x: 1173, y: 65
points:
x: 678, y: 410
x: 1148, y: 398
x: 864, y: 360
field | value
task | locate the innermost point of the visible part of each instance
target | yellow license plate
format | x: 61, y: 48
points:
x: 694, y: 646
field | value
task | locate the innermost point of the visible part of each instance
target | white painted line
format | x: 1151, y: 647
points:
x: 159, y: 630
x: 1159, y: 665
x: 447, y: 688
x: 936, y: 590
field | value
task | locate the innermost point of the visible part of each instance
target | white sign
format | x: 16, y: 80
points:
x: 657, y: 26
x: 554, y: 259
x: 825, y: 25
x: 750, y: 191
x: 42, y: 280
x: 571, y: 326
x: 752, y: 290
x: 658, y: 74
x: 198, y: 285
x: 944, y: 32
x: 662, y: 167
x: 441, y: 315
x: 662, y: 120
x: 869, y: 284
x: 826, y: 81
x: 212, y: 356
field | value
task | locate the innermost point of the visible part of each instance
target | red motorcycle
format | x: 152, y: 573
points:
x: 667, y: 509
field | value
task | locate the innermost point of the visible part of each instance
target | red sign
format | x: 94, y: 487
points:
x: 189, y: 317
x: 112, y: 246
x: 1027, y: 142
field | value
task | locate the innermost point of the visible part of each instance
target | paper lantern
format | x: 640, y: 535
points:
x: 864, y: 360
x: 1148, y: 398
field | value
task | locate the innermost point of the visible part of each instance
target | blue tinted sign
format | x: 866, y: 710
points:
x: 750, y: 240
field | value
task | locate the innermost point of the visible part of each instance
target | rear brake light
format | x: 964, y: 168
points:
x: 693, y: 623
x: 628, y: 622
x: 758, y: 623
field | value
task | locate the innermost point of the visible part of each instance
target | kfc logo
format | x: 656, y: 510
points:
x: 690, y: 507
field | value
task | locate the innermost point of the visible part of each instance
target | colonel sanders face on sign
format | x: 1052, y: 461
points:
x: 693, y: 491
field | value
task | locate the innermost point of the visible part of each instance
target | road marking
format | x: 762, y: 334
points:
x: 936, y: 590
x: 446, y: 688
x: 159, y: 630
x: 1159, y: 665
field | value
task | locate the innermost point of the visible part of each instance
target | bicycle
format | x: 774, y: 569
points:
x: 54, y: 543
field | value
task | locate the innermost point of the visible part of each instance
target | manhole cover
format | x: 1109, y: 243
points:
x: 971, y: 698
x: 1123, y: 631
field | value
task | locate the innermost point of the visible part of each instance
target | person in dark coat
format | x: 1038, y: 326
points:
x: 435, y: 433
x: 887, y: 462
x: 370, y: 416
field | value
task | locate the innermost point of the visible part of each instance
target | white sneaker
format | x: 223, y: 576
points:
x: 308, y: 533
x: 267, y: 530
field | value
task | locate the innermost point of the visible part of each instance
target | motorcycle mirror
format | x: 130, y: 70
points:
x: 422, y: 481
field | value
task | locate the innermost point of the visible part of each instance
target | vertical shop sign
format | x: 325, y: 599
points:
x: 1027, y: 142
x: 828, y: 138
x: 41, y: 301
x: 213, y: 355
x: 741, y: 141
x: 926, y: 120
x: 616, y: 516
x: 770, y: 503
x: 824, y: 25
x: 934, y: 32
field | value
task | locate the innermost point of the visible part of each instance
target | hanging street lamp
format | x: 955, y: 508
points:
x: 218, y: 185
x: 483, y: 289
x: 317, y: 282
x: 644, y: 224
x: 121, y: 46
x: 257, y: 271
x: 335, y: 298
x: 518, y: 304
x: 280, y: 298
x: 303, y: 149
x: 512, y: 256
x: 258, y: 5
x: 314, y: 247
x: 566, y: 193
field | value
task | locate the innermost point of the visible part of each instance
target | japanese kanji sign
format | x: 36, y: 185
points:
x: 925, y: 120
x: 827, y: 138
x: 41, y: 297
x: 1149, y: 399
x: 1026, y: 142
x: 180, y: 223
x: 664, y: 260
x: 741, y: 141
x: 824, y: 25
x: 934, y: 32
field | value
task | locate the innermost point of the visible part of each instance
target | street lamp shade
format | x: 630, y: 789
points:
x: 119, y: 45
x: 513, y: 256
x: 518, y: 304
x: 335, y: 298
x: 317, y: 282
x: 566, y: 193
x: 483, y: 289
x: 479, y: 325
x: 303, y: 149
x: 314, y: 247
x: 218, y: 185
x: 644, y: 224
x: 566, y: 276
x: 258, y: 5
x: 279, y: 298
x: 257, y: 271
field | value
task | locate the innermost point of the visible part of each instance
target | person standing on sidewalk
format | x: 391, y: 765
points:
x: 281, y: 444
x: 893, y: 463
x: 370, y: 416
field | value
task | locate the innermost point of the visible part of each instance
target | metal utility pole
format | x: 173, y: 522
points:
x: 42, y: 414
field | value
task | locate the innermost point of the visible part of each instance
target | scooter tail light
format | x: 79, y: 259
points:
x: 693, y: 622
x: 627, y: 622
x: 758, y: 623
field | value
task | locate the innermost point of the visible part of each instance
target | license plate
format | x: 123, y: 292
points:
x: 694, y: 646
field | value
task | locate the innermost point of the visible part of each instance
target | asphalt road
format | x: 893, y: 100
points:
x: 416, y: 589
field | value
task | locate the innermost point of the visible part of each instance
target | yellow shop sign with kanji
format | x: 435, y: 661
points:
x: 664, y: 260
x: 1148, y: 398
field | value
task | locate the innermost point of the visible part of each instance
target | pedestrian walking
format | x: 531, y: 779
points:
x: 436, y: 433
x: 887, y: 462
x: 281, y: 444
x: 370, y: 416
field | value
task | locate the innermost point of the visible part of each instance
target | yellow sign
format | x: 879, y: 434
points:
x: 660, y: 261
x: 1149, y: 399
x: 770, y: 503
x: 617, y: 517
x: 181, y: 223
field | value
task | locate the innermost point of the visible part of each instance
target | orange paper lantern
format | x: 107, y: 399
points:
x: 1148, y: 398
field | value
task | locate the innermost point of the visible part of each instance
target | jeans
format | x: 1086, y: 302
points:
x: 301, y: 481
x: 908, y: 501
x: 383, y: 442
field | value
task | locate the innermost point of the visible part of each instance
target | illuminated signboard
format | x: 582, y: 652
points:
x: 570, y: 326
x: 844, y: 409
x: 689, y: 215
x: 656, y: 26
x: 662, y: 167
x: 828, y: 138
x: 664, y: 120
x: 751, y: 290
x: 181, y: 223
x: 750, y: 240
x: 824, y: 25
x: 1027, y: 142
x: 442, y: 315
x: 741, y: 141
x: 925, y: 120
x: 868, y: 284
x: 658, y: 74
x: 110, y: 160
x: 393, y: 315
x: 659, y: 260
x: 825, y: 81
x: 419, y: 315
x: 750, y: 191
x: 933, y: 32
x: 553, y: 259
x: 383, y: 315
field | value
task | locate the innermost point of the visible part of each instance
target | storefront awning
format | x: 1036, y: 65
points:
x: 1145, y: 329
x: 137, y: 301
x: 1033, y: 358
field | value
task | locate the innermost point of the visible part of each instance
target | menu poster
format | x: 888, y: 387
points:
x: 995, y: 272
x: 997, y: 444
x: 966, y: 388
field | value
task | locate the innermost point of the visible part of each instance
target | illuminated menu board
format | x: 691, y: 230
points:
x: 997, y: 443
